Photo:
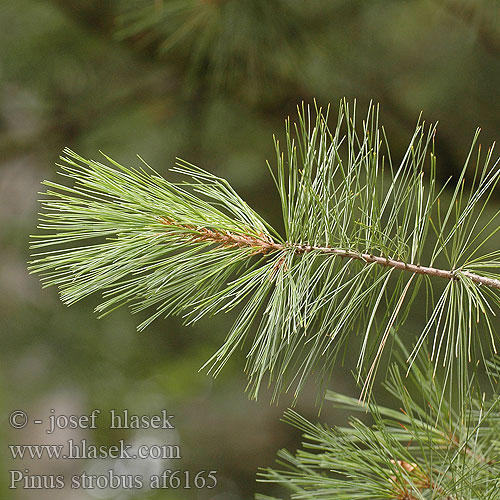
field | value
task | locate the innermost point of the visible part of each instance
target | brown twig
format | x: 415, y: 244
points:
x: 263, y: 244
x: 421, y: 480
x: 397, y: 264
x: 260, y: 244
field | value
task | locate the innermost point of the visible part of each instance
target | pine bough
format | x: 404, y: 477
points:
x: 363, y: 240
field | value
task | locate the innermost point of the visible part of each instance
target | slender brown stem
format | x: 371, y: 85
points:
x: 263, y: 244
x: 397, y: 264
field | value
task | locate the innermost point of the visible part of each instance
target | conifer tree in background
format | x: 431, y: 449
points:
x: 364, y: 236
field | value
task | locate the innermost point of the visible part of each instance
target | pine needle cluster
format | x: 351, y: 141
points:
x: 363, y: 238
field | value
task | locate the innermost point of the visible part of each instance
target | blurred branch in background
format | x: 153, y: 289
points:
x: 250, y: 48
x: 268, y: 56
x: 482, y: 17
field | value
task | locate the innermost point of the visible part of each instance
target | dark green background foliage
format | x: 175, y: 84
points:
x: 209, y: 81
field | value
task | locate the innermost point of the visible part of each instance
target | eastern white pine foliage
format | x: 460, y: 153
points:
x: 365, y: 239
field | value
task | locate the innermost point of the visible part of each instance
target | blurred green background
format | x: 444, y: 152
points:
x: 209, y: 81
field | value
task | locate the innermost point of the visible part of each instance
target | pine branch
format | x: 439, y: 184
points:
x: 265, y: 246
x: 424, y: 449
x: 196, y: 248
